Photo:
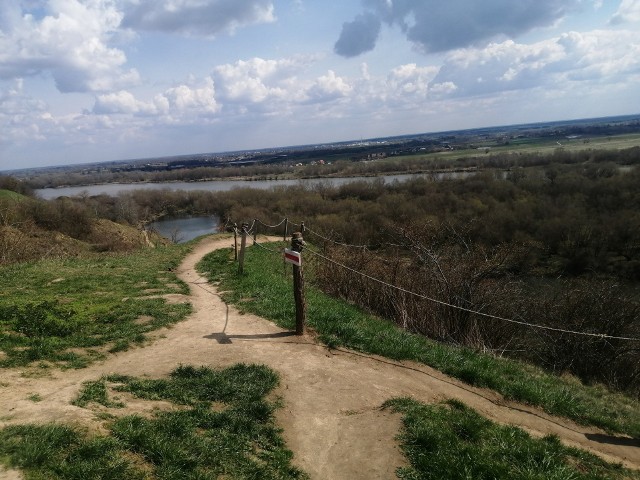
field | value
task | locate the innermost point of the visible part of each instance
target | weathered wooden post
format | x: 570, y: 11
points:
x: 235, y: 242
x: 255, y: 230
x: 297, y: 243
x: 286, y: 227
x: 243, y: 244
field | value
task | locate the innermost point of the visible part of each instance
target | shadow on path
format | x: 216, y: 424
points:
x: 224, y: 339
x: 613, y: 440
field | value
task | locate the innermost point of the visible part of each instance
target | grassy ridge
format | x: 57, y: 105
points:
x: 61, y: 311
x: 264, y: 290
x: 9, y: 195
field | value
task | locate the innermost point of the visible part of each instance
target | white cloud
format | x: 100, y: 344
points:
x: 188, y: 102
x: 185, y: 98
x: 328, y: 87
x: 591, y: 56
x: 207, y: 18
x: 19, y: 114
x: 628, y: 12
x: 411, y: 80
x: 71, y: 42
x: 258, y: 80
x: 117, y: 102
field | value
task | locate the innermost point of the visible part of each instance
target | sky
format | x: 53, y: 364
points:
x: 85, y: 81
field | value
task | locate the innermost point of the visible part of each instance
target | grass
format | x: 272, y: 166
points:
x: 264, y: 290
x: 201, y: 440
x: 96, y: 392
x: 450, y: 440
x: 545, y: 146
x: 68, y: 312
x: 10, y: 195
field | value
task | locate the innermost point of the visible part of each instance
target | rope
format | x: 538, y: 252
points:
x: 425, y: 297
x: 488, y: 315
x: 250, y: 229
x: 271, y: 226
x: 270, y: 250
x: 307, y: 229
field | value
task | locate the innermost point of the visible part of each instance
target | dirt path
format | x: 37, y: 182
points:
x: 331, y: 416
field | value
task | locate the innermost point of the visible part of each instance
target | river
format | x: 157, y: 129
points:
x: 183, y: 229
x: 225, y: 185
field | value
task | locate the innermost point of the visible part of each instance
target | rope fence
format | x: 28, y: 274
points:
x: 418, y: 295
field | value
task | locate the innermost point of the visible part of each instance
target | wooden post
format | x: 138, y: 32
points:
x: 297, y: 243
x: 235, y: 242
x: 243, y: 244
x: 286, y: 227
x: 255, y: 230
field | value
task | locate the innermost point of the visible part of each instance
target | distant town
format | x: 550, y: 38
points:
x: 555, y: 134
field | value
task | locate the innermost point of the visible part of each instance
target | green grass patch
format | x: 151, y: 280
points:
x: 95, y: 392
x: 61, y: 311
x: 10, y: 195
x: 63, y: 452
x: 264, y: 290
x: 202, y: 440
x: 450, y: 440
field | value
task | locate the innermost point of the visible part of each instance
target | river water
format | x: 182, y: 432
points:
x: 226, y: 185
x: 184, y: 229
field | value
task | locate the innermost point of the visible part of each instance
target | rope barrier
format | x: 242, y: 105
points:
x: 250, y: 230
x: 425, y: 297
x: 270, y: 250
x: 271, y: 226
x: 307, y: 229
x: 488, y: 315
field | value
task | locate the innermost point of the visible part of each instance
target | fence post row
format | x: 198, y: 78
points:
x: 297, y: 243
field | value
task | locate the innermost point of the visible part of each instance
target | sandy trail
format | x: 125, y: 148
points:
x: 331, y: 415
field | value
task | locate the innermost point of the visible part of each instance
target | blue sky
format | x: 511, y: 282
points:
x: 97, y: 80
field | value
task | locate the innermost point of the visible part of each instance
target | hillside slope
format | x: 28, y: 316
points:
x: 331, y: 398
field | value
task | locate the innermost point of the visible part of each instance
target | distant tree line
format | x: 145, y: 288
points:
x: 341, y: 165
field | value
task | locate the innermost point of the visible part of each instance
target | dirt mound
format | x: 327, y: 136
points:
x: 106, y: 235
x: 30, y: 242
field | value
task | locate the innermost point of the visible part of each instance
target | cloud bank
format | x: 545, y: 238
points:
x: 292, y: 92
x: 628, y: 12
x: 77, y: 41
x: 207, y: 18
x: 438, y: 26
x: 70, y: 42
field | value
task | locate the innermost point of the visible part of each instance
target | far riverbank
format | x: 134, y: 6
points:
x: 114, y: 189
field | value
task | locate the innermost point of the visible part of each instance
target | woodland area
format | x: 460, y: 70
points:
x: 553, y: 241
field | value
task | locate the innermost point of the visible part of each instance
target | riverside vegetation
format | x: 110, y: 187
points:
x: 557, y: 245
x: 554, y: 244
